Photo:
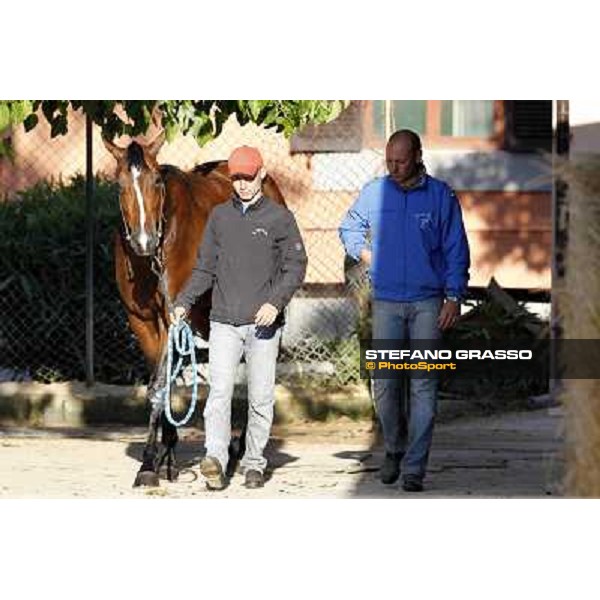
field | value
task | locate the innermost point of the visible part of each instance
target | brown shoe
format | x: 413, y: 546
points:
x: 212, y: 471
x: 254, y: 479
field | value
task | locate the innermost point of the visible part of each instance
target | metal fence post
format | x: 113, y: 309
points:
x: 89, y: 252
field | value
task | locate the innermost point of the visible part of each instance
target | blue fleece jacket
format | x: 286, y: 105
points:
x: 417, y: 237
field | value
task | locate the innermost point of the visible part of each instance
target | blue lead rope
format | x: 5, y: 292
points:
x: 181, y: 338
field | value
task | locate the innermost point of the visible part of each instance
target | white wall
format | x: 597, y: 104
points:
x: 462, y: 169
x: 584, y: 118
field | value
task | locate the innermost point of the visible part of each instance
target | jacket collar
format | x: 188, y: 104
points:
x: 238, y: 204
x: 421, y: 181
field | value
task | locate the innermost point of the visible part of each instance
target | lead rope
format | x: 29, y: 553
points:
x: 181, y: 338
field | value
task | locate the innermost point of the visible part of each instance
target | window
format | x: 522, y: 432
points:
x: 529, y: 125
x: 473, y: 123
x: 467, y: 118
x: 402, y: 114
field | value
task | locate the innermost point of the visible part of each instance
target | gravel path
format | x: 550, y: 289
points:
x: 511, y: 455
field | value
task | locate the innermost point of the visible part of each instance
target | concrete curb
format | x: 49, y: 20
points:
x: 72, y: 404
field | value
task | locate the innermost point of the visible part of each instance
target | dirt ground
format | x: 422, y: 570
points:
x: 509, y: 455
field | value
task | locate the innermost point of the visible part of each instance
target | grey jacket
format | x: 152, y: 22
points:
x: 248, y: 259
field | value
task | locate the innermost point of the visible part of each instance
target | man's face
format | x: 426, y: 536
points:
x: 246, y: 187
x: 402, y: 160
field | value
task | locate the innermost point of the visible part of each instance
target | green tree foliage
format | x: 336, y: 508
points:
x: 203, y: 119
x: 12, y: 112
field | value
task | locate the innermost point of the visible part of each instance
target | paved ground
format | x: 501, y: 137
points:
x: 510, y: 455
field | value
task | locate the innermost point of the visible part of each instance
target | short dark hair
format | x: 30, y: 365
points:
x: 414, y: 138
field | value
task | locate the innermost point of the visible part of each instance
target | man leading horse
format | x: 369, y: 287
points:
x: 253, y: 258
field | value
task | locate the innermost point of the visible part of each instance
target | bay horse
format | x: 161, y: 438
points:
x: 164, y: 211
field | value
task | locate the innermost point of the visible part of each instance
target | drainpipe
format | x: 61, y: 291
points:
x: 560, y: 222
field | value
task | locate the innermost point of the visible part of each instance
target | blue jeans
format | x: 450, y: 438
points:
x: 410, y: 434
x: 260, y: 346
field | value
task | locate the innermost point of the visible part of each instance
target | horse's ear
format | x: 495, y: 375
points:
x: 155, y: 145
x: 117, y: 152
x: 157, y: 116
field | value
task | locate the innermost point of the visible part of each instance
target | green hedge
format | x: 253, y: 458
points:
x: 42, y: 286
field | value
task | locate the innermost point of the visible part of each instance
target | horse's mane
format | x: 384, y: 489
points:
x: 173, y: 173
x: 207, y: 167
x: 170, y: 170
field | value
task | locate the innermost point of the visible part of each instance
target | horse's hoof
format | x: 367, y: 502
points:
x: 146, y: 479
x: 163, y: 473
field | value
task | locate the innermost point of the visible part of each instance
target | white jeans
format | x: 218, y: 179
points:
x: 227, y: 344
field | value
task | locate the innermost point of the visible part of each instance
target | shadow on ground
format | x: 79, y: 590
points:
x: 190, y: 451
x: 513, y: 455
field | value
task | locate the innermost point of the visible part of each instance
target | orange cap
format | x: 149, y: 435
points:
x: 244, y: 160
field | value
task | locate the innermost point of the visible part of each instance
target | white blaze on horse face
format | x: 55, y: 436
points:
x: 143, y: 237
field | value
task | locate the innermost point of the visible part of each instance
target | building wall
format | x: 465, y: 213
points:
x: 584, y: 118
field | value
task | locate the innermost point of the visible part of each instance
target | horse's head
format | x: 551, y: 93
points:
x: 142, y: 193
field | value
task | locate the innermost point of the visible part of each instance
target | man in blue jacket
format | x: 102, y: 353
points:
x: 407, y: 228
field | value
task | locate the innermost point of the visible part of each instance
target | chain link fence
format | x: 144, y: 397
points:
x: 42, y: 255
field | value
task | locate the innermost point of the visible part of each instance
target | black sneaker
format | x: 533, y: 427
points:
x: 390, y: 470
x: 212, y: 471
x: 412, y: 483
x: 254, y: 479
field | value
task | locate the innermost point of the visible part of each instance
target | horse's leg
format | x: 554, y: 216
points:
x: 165, y: 462
x: 153, y: 458
x: 237, y: 447
x: 147, y: 475
x: 168, y: 463
x: 149, y: 338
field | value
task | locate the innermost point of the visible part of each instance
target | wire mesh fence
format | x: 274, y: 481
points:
x: 42, y: 254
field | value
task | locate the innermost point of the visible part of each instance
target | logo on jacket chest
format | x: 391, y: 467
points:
x: 260, y: 232
x: 424, y: 219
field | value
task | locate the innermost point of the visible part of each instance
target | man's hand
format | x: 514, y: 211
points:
x: 366, y: 256
x: 266, y: 315
x: 177, y: 314
x: 448, y: 315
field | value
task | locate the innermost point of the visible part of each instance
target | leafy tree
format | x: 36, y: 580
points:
x: 204, y: 119
x: 12, y: 112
